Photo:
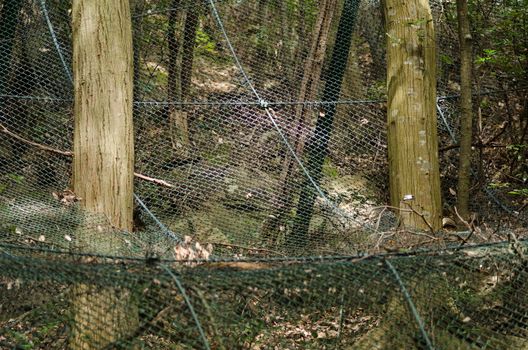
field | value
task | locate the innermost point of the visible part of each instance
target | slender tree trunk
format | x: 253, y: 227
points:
x: 466, y: 109
x: 189, y: 43
x: 308, y: 91
x: 137, y: 7
x: 284, y: 36
x: 9, y: 18
x: 178, y: 119
x: 103, y: 164
x: 174, y: 46
x: 412, y: 127
x: 317, y: 152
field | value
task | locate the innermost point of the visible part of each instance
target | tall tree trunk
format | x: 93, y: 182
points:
x: 174, y: 46
x: 189, y: 43
x: 317, y: 152
x: 137, y: 7
x: 412, y: 127
x: 178, y: 119
x: 313, y: 67
x: 466, y: 109
x: 103, y: 166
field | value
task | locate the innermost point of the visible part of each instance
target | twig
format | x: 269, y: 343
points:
x: 159, y: 316
x: 43, y: 147
x: 70, y: 154
x: 422, y: 234
x: 516, y: 246
x: 156, y: 181
x: 468, y: 225
x: 423, y: 218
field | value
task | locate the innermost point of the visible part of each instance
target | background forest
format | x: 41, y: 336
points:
x: 230, y: 176
x: 261, y: 182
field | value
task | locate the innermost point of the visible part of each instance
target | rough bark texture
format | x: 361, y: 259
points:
x: 412, y: 126
x: 466, y: 111
x: 103, y: 140
x: 103, y: 156
x: 104, y: 318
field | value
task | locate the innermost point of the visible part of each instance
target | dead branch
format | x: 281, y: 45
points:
x: 153, y: 180
x: 468, y: 225
x: 38, y: 145
x: 70, y: 154
x: 423, y: 218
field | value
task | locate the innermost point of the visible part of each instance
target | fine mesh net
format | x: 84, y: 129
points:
x: 261, y: 186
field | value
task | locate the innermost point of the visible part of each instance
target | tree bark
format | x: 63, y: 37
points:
x: 189, y: 43
x: 178, y: 119
x: 310, y: 83
x: 412, y: 127
x: 466, y: 109
x: 137, y: 7
x: 317, y: 152
x: 103, y: 166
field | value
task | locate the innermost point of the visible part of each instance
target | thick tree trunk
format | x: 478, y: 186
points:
x: 103, y: 156
x: 466, y: 109
x: 412, y: 126
x: 317, y: 152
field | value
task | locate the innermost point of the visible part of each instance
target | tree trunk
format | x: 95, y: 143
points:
x: 103, y: 166
x: 412, y: 127
x: 189, y: 42
x: 466, y: 109
x: 317, y: 152
x: 178, y: 119
x: 311, y: 77
x: 9, y: 18
x: 137, y: 7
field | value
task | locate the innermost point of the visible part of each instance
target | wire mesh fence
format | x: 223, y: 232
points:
x: 259, y: 138
x: 461, y: 299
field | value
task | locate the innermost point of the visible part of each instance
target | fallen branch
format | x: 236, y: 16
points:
x: 156, y: 181
x: 38, y: 145
x: 70, y: 154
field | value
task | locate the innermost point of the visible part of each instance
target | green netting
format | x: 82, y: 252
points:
x: 461, y: 299
x: 241, y: 241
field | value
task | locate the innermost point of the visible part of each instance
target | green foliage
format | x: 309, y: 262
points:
x: 446, y: 59
x: 205, y: 45
x: 17, y: 179
x: 330, y: 170
x: 496, y: 185
x: 502, y: 44
x: 520, y: 192
x: 489, y: 56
